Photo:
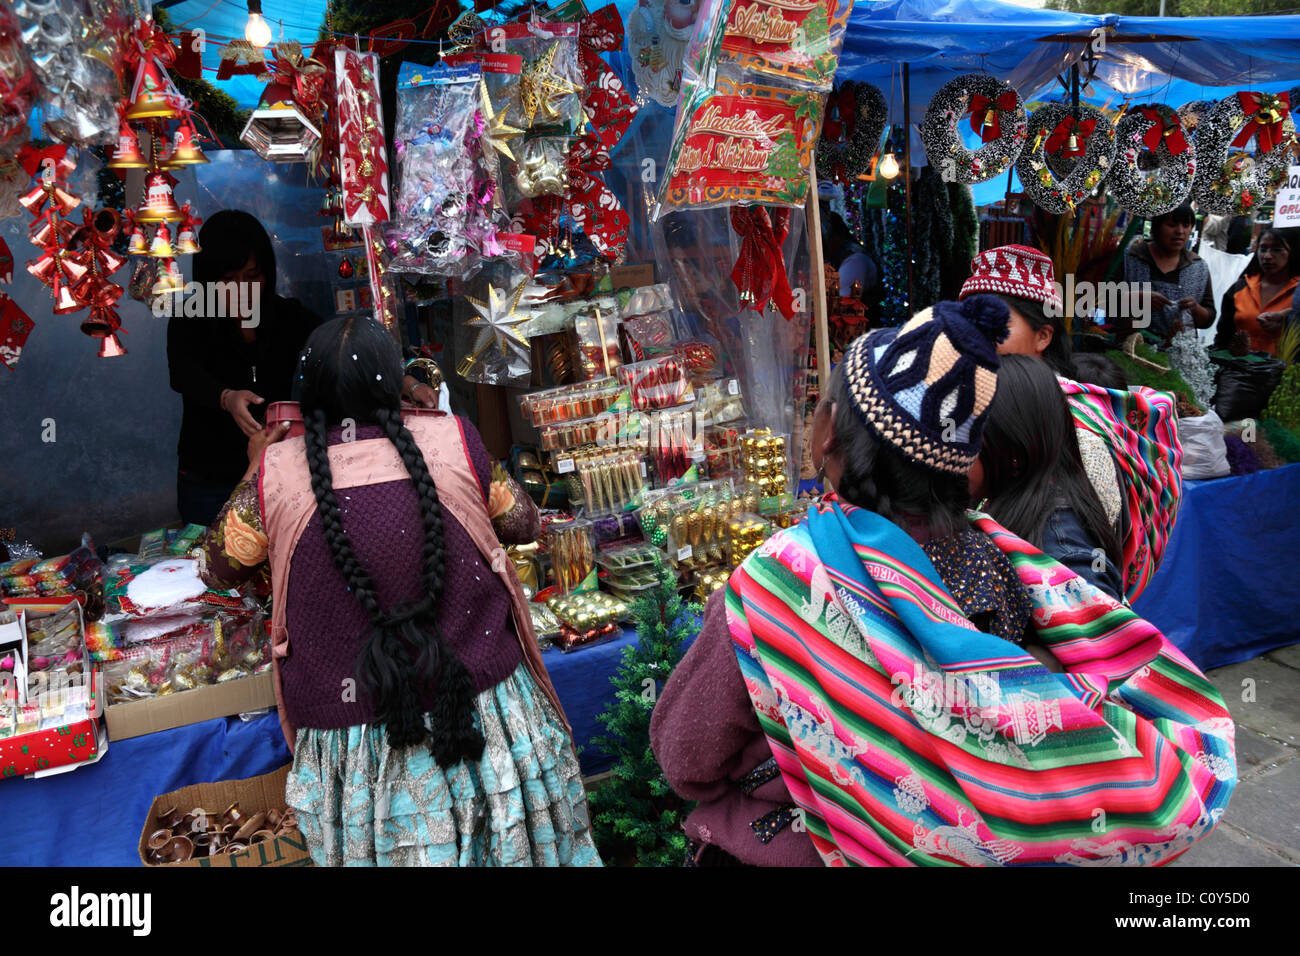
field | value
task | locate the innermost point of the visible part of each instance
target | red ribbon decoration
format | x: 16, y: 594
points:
x: 760, y: 270
x: 302, y: 74
x: 606, y: 101
x: 595, y: 210
x: 980, y: 105
x: 1267, y: 120
x: 1060, y: 136
x: 1171, y: 131
x: 146, y: 40
x: 365, y: 196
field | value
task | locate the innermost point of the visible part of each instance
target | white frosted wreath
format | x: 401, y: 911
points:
x: 1048, y: 136
x: 997, y: 101
x: 1234, y: 183
x: 1148, y: 194
x: 855, y: 153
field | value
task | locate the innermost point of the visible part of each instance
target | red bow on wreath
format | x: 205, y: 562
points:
x: 1060, y: 136
x: 148, y: 41
x: 841, y: 116
x: 606, y: 102
x: 984, y: 114
x: 759, y: 274
x: 1170, y: 130
x: 1268, y: 111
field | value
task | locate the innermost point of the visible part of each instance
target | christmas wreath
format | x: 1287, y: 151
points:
x: 1192, y: 113
x: 1084, y: 135
x: 856, y: 115
x: 996, y: 114
x: 1158, y: 132
x: 1234, y: 184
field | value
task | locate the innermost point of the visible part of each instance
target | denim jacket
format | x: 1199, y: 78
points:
x: 1066, y: 540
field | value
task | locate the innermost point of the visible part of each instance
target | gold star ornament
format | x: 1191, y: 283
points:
x: 540, y: 85
x: 499, y: 319
x: 496, y: 132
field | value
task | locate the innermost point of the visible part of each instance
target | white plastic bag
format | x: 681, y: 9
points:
x: 1204, y: 453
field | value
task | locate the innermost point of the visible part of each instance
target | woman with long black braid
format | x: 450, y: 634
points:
x: 424, y: 728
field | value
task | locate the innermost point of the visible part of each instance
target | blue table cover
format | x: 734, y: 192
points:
x: 1223, y: 595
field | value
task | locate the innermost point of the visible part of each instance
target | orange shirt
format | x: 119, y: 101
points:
x: 1248, y: 309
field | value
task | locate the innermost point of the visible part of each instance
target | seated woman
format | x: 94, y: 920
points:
x: 1031, y: 476
x: 423, y: 726
x: 840, y: 701
x: 1261, y: 303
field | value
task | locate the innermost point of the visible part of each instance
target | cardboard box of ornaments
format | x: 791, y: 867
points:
x: 254, y: 796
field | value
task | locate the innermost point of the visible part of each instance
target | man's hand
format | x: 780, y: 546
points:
x: 418, y: 393
x: 236, y: 403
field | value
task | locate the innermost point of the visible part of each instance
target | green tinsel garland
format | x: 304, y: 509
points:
x: 965, y: 239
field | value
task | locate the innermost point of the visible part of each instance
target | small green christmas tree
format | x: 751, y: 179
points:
x: 636, y: 813
x: 784, y: 161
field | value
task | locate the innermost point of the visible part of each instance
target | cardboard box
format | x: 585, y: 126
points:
x: 254, y: 795
x: 140, y: 717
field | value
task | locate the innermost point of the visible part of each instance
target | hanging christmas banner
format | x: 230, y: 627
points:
x: 362, y: 167
x: 742, y: 143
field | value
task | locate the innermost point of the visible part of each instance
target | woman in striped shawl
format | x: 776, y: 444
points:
x: 890, y: 683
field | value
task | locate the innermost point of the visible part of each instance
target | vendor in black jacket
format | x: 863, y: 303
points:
x: 229, y: 368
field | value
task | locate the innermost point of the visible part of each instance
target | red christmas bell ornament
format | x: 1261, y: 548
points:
x: 111, y: 346
x: 159, y: 205
x: 169, y: 279
x: 161, y: 247
x: 187, y: 244
x: 152, y: 96
x: 51, y: 190
x: 127, y: 155
x: 138, y: 245
x: 64, y: 300
x: 185, y: 151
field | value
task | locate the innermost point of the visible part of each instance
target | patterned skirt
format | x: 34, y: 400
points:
x: 361, y: 803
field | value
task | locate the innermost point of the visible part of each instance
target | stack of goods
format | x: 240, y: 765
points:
x: 47, y: 711
x: 628, y: 569
x: 586, y: 617
x: 57, y: 577
x: 193, y: 834
x: 766, y: 461
x: 165, y: 631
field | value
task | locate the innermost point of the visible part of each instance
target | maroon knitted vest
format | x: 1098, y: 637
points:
x: 328, y: 625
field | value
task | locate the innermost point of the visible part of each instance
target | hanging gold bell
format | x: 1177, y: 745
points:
x: 990, y: 119
x: 137, y: 245
x: 186, y: 243
x: 158, y: 204
x: 185, y: 151
x: 127, y: 155
x: 161, y: 247
x: 153, y: 97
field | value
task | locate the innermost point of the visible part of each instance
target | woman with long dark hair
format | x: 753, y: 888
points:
x: 1032, y: 476
x: 1262, y: 302
x: 228, y: 367
x: 859, y: 693
x: 424, y: 728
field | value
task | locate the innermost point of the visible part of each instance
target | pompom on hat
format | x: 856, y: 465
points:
x: 926, y: 388
x: 1017, y: 271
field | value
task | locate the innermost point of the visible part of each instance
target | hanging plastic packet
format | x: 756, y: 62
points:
x: 493, y: 341
x: 797, y: 41
x: 442, y: 213
x: 547, y: 98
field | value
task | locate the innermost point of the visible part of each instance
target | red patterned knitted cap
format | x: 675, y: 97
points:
x: 1017, y: 271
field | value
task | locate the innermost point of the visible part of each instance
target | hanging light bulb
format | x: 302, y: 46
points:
x: 256, y: 31
x: 889, y: 162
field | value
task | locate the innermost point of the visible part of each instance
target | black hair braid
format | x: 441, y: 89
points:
x: 454, y: 735
x: 386, y: 663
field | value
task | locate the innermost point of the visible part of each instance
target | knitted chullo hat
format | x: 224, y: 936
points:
x: 926, y: 388
x: 1017, y: 271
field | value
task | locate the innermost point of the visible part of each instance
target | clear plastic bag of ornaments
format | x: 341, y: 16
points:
x: 546, y: 95
x: 443, y: 216
x: 492, y: 327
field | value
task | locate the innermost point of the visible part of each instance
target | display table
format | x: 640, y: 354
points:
x: 1222, y: 595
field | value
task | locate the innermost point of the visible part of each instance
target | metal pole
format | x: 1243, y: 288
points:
x: 907, y: 175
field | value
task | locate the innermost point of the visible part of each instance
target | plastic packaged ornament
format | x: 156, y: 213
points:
x: 547, y: 94
x: 493, y: 342
x: 543, y: 167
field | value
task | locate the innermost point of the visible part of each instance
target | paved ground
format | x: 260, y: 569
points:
x: 1262, y: 825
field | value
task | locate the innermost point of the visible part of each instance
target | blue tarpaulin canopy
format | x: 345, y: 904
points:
x: 1146, y: 59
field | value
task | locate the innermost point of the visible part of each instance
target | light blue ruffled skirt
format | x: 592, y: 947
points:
x: 361, y: 803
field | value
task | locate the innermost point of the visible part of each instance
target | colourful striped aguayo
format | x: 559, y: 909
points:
x: 1140, y: 426
x: 908, y: 737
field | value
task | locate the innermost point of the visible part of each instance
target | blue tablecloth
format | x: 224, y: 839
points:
x: 1222, y: 595
x: 1223, y: 592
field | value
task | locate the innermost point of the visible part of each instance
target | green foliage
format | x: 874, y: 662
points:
x: 1284, y: 440
x: 1284, y: 403
x: 965, y: 238
x: 1139, y: 373
x: 636, y: 814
